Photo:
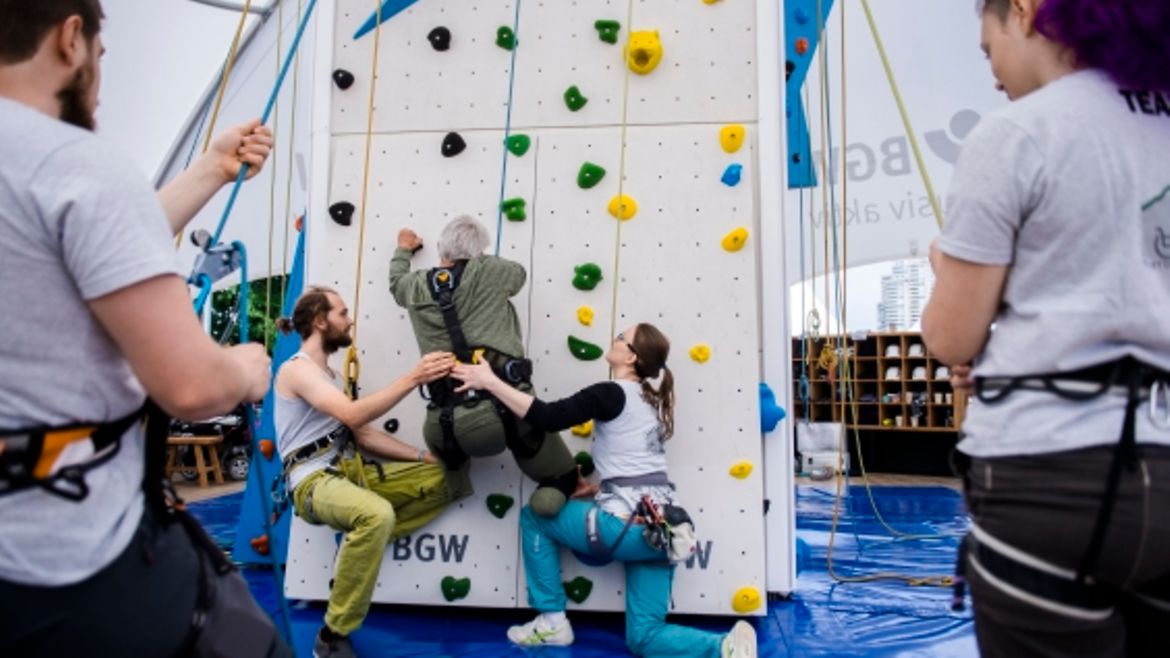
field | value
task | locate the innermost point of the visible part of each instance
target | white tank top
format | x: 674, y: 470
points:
x: 298, y: 424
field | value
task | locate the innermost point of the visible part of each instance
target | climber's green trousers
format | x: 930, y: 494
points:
x: 408, y: 496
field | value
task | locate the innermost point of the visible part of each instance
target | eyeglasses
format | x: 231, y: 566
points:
x: 622, y: 338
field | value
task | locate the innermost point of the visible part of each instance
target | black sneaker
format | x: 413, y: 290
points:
x: 337, y: 646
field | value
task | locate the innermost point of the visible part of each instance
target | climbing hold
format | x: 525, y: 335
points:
x: 342, y: 212
x: 343, y: 79
x: 453, y: 145
x: 589, y: 175
x: 578, y: 589
x: 770, y: 413
x: 623, y: 207
x: 740, y: 469
x: 710, y: 2
x: 584, y: 350
x: 583, y: 430
x: 455, y: 588
x: 260, y: 544
x: 586, y: 276
x: 731, y: 137
x: 267, y: 448
x: 644, y: 51
x: 801, y: 46
x: 745, y: 599
x: 440, y: 38
x: 505, y: 38
x: 499, y: 504
x: 574, y: 99
x: 585, y: 461
x: 700, y: 352
x: 300, y: 223
x: 732, y: 174
x: 391, y: 425
x: 585, y: 315
x: 518, y: 144
x: 514, y: 209
x: 735, y: 239
x: 801, y: 16
x: 607, y: 31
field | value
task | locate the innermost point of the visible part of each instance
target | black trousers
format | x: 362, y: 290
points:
x: 1046, y: 506
x: 140, y: 605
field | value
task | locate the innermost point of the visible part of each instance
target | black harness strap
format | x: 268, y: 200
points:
x: 443, y: 282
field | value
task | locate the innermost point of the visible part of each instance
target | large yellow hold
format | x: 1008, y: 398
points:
x: 644, y: 51
x: 746, y: 599
x: 735, y: 239
x: 731, y: 137
x: 584, y: 429
x: 623, y: 207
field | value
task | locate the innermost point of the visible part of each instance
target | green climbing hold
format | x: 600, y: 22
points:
x: 505, y: 38
x: 575, y: 99
x: 584, y: 350
x: 455, y: 588
x: 499, y: 504
x: 585, y: 461
x: 513, y: 209
x: 518, y: 144
x: 589, y: 175
x: 607, y: 31
x: 578, y: 589
x: 586, y: 276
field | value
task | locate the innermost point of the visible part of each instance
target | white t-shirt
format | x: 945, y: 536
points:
x: 1070, y: 188
x: 78, y: 221
x: 630, y: 445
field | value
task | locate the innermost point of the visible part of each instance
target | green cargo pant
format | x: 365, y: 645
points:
x: 407, y: 497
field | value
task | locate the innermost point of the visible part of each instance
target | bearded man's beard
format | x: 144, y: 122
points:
x: 335, y: 340
x: 73, y: 96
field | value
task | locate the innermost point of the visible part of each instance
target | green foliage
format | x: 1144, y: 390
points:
x: 264, y: 302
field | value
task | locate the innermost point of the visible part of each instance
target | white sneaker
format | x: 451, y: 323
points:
x: 740, y: 642
x: 537, y: 633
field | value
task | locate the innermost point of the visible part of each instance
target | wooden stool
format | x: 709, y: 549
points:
x: 199, y: 445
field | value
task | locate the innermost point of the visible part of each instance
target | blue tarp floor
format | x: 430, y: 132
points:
x: 884, y: 618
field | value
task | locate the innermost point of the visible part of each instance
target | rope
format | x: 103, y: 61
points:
x: 617, y: 243
x: 288, y: 216
x: 227, y: 71
x: 272, y: 178
x: 507, y: 128
x: 910, y: 134
x: 227, y: 211
x: 352, y: 366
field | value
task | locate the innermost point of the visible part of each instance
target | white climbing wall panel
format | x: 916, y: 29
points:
x: 665, y: 265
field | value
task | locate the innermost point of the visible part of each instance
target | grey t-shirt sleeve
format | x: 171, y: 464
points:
x: 104, y: 217
x: 998, y: 182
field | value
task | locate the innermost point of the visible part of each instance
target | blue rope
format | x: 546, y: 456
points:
x: 204, y: 283
x: 227, y: 211
x: 507, y: 129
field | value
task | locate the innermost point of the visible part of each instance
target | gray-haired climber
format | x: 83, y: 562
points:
x: 464, y: 306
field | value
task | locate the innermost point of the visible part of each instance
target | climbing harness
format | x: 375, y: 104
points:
x: 667, y: 528
x: 31, y: 457
x: 1074, y: 592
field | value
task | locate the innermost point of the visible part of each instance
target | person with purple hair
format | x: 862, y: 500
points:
x: 1052, y: 304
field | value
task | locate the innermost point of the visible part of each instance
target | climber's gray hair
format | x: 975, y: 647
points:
x: 463, y: 238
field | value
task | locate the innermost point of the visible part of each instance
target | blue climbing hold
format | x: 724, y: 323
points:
x: 770, y: 413
x: 732, y: 174
x: 390, y: 9
x: 801, y: 16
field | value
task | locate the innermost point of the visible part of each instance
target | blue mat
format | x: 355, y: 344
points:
x: 879, y: 619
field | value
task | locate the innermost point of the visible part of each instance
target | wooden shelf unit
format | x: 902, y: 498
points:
x: 909, y: 399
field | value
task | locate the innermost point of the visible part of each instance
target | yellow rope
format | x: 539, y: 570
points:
x: 289, y: 214
x: 272, y: 178
x: 910, y: 134
x: 227, y: 71
x: 617, y: 244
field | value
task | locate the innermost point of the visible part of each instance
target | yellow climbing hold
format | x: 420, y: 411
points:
x: 735, y: 239
x: 741, y: 469
x: 701, y: 352
x: 731, y: 137
x: 584, y: 429
x: 644, y: 51
x: 585, y: 315
x: 623, y: 207
x: 710, y: 2
x: 745, y: 599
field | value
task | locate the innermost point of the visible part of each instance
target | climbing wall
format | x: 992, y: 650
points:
x: 679, y: 141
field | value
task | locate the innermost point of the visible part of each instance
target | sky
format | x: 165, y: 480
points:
x: 162, y: 55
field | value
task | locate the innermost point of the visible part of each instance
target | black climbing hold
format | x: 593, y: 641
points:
x: 342, y: 212
x: 795, y: 158
x: 453, y: 145
x: 440, y: 38
x: 343, y: 79
x: 499, y: 504
x: 789, y: 69
x: 391, y: 425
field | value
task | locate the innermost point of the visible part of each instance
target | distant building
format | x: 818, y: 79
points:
x: 904, y: 293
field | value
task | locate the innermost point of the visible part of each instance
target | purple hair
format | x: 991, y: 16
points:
x: 1128, y: 39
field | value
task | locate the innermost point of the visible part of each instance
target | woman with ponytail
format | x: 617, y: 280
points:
x: 633, y: 418
x: 1058, y: 236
